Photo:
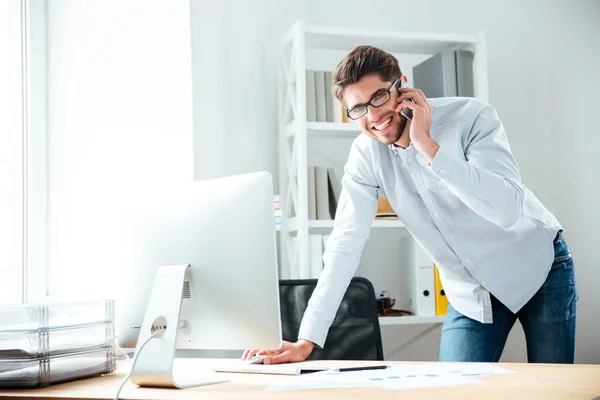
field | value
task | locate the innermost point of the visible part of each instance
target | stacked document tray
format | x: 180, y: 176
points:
x: 43, y: 344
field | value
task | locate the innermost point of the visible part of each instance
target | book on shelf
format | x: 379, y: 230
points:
x: 322, y: 193
x: 320, y: 96
x: 312, y: 193
x: 328, y: 96
x: 335, y: 190
x: 324, y: 190
x: 311, y: 107
x: 321, y: 104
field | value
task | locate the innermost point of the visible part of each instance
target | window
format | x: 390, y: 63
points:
x: 12, y: 183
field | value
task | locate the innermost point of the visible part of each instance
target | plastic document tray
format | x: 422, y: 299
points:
x: 55, y: 342
x: 29, y: 317
x: 37, y: 373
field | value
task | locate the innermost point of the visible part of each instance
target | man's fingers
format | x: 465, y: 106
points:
x: 269, y: 352
x: 277, y: 359
x: 416, y: 95
x: 407, y: 104
x: 417, y: 109
x: 248, y: 354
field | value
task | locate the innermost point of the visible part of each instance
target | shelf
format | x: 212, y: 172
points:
x: 411, y: 320
x: 291, y: 224
x: 329, y: 129
x: 393, y: 41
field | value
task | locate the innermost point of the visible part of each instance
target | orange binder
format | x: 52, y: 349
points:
x: 441, y: 301
x: 385, y: 210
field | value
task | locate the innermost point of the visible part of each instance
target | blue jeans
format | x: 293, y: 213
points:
x: 548, y: 320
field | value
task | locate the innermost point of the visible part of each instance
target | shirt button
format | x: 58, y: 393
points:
x: 451, y: 238
x: 409, y: 158
x: 420, y: 187
x: 435, y: 214
x: 442, y: 171
x: 467, y: 260
x: 483, y: 283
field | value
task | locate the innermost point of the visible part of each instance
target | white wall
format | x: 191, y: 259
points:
x: 119, y: 121
x: 119, y: 114
x: 543, y: 80
x: 578, y: 183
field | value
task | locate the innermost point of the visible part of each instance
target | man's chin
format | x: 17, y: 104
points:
x: 388, y: 139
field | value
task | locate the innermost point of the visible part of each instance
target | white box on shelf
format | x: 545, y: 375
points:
x: 420, y: 275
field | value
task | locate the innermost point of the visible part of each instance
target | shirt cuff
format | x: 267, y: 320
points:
x: 311, y: 330
x: 443, y: 166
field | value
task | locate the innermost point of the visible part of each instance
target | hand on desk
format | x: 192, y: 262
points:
x: 288, y: 352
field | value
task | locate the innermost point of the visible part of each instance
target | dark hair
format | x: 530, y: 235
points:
x: 362, y: 61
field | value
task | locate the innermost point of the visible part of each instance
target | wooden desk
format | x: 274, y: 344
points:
x: 532, y: 381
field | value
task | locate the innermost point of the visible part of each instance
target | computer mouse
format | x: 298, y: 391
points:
x: 256, y: 360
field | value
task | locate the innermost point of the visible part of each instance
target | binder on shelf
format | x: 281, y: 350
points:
x: 335, y: 190
x: 320, y: 97
x: 322, y: 192
x: 345, y: 118
x: 339, y: 112
x: 441, y: 301
x: 311, y: 106
x: 329, y: 104
x: 312, y: 193
x: 422, y: 291
x: 385, y: 210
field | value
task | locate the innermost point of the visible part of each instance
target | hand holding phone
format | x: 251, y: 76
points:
x: 406, y: 112
x: 421, y: 114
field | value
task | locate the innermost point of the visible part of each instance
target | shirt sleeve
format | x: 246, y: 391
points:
x: 487, y: 180
x: 354, y: 217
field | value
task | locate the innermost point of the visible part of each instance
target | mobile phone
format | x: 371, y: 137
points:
x: 406, y: 112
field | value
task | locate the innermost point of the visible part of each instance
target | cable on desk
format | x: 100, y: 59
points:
x: 152, y: 336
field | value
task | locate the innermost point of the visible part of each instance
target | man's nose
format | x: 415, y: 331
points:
x: 373, y: 114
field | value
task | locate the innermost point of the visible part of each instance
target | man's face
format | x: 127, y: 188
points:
x: 381, y: 123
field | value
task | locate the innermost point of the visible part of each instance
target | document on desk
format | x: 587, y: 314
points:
x: 395, y: 377
x: 469, y: 369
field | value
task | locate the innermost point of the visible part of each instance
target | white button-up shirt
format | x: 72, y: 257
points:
x: 485, y: 231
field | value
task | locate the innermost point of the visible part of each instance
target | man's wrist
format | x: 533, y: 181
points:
x: 306, y: 345
x: 429, y: 148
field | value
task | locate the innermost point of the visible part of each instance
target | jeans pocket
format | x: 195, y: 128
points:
x: 561, y: 259
x: 557, y: 298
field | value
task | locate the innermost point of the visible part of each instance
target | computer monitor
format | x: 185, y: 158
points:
x: 201, y: 264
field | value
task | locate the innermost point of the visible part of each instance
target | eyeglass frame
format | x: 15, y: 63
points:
x: 367, y: 104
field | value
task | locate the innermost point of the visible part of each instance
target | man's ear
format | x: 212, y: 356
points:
x: 403, y: 82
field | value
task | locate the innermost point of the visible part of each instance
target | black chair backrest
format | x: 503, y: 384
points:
x: 354, y: 333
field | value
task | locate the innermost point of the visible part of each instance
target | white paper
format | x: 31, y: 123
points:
x: 396, y: 377
x: 470, y: 369
x: 424, y: 381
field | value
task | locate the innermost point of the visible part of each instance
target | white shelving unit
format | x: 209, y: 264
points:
x: 296, y: 131
x: 411, y: 320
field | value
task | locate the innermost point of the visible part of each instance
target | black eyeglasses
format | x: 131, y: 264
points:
x: 377, y: 100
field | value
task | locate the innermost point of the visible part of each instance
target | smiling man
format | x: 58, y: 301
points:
x: 446, y: 167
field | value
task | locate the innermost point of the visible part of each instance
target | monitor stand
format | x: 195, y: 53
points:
x: 154, y: 365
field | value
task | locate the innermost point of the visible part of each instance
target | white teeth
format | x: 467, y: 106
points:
x: 384, y: 125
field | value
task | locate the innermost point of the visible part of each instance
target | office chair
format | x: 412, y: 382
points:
x: 354, y: 333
